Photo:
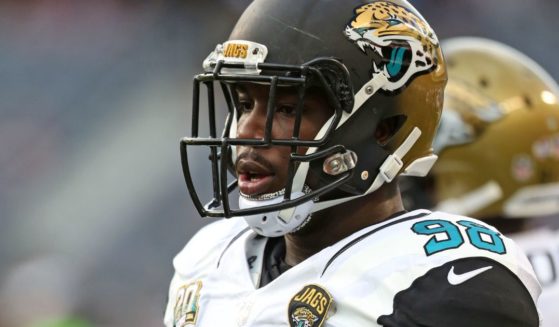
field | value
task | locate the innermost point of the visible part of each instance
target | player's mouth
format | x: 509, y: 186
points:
x: 254, y: 178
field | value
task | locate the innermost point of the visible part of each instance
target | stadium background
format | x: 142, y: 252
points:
x: 94, y: 96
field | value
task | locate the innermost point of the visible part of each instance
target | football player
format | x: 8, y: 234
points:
x: 327, y: 103
x: 498, y: 147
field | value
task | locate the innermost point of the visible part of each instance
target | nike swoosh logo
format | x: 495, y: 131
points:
x: 456, y: 279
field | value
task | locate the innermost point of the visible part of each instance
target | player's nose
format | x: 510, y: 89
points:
x: 252, y: 123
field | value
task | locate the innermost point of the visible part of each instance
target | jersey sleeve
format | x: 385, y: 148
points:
x: 201, y: 253
x: 475, y: 291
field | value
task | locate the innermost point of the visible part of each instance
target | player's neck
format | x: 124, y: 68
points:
x: 334, y: 224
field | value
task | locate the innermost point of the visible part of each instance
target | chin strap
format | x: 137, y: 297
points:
x: 387, y: 171
x: 393, y: 163
x: 272, y: 224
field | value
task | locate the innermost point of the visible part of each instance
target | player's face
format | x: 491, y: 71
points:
x: 262, y: 170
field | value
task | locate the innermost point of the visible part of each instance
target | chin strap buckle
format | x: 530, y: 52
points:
x: 340, y: 163
x: 390, y: 168
x: 393, y: 163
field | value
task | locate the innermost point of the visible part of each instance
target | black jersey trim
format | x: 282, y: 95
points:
x: 230, y: 243
x: 360, y: 238
x: 458, y: 302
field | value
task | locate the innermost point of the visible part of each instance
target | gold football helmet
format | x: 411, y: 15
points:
x: 498, y: 140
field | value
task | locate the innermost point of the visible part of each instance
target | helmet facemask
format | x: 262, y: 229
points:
x: 326, y: 74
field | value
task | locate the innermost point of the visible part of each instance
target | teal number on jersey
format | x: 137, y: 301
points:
x: 477, y: 233
x: 447, y: 235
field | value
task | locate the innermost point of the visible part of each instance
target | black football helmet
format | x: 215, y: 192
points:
x: 373, y: 60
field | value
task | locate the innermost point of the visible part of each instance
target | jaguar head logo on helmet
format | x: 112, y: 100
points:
x: 402, y: 43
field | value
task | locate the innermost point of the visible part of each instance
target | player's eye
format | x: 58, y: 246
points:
x: 244, y: 106
x: 286, y: 109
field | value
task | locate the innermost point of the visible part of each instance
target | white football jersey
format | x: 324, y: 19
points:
x: 419, y: 269
x: 542, y: 249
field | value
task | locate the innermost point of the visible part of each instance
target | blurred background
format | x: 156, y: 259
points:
x: 94, y: 97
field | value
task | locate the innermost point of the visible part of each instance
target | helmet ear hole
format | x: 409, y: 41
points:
x: 387, y: 127
x: 336, y: 77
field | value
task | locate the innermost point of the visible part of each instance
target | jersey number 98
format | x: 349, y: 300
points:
x: 448, y: 235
